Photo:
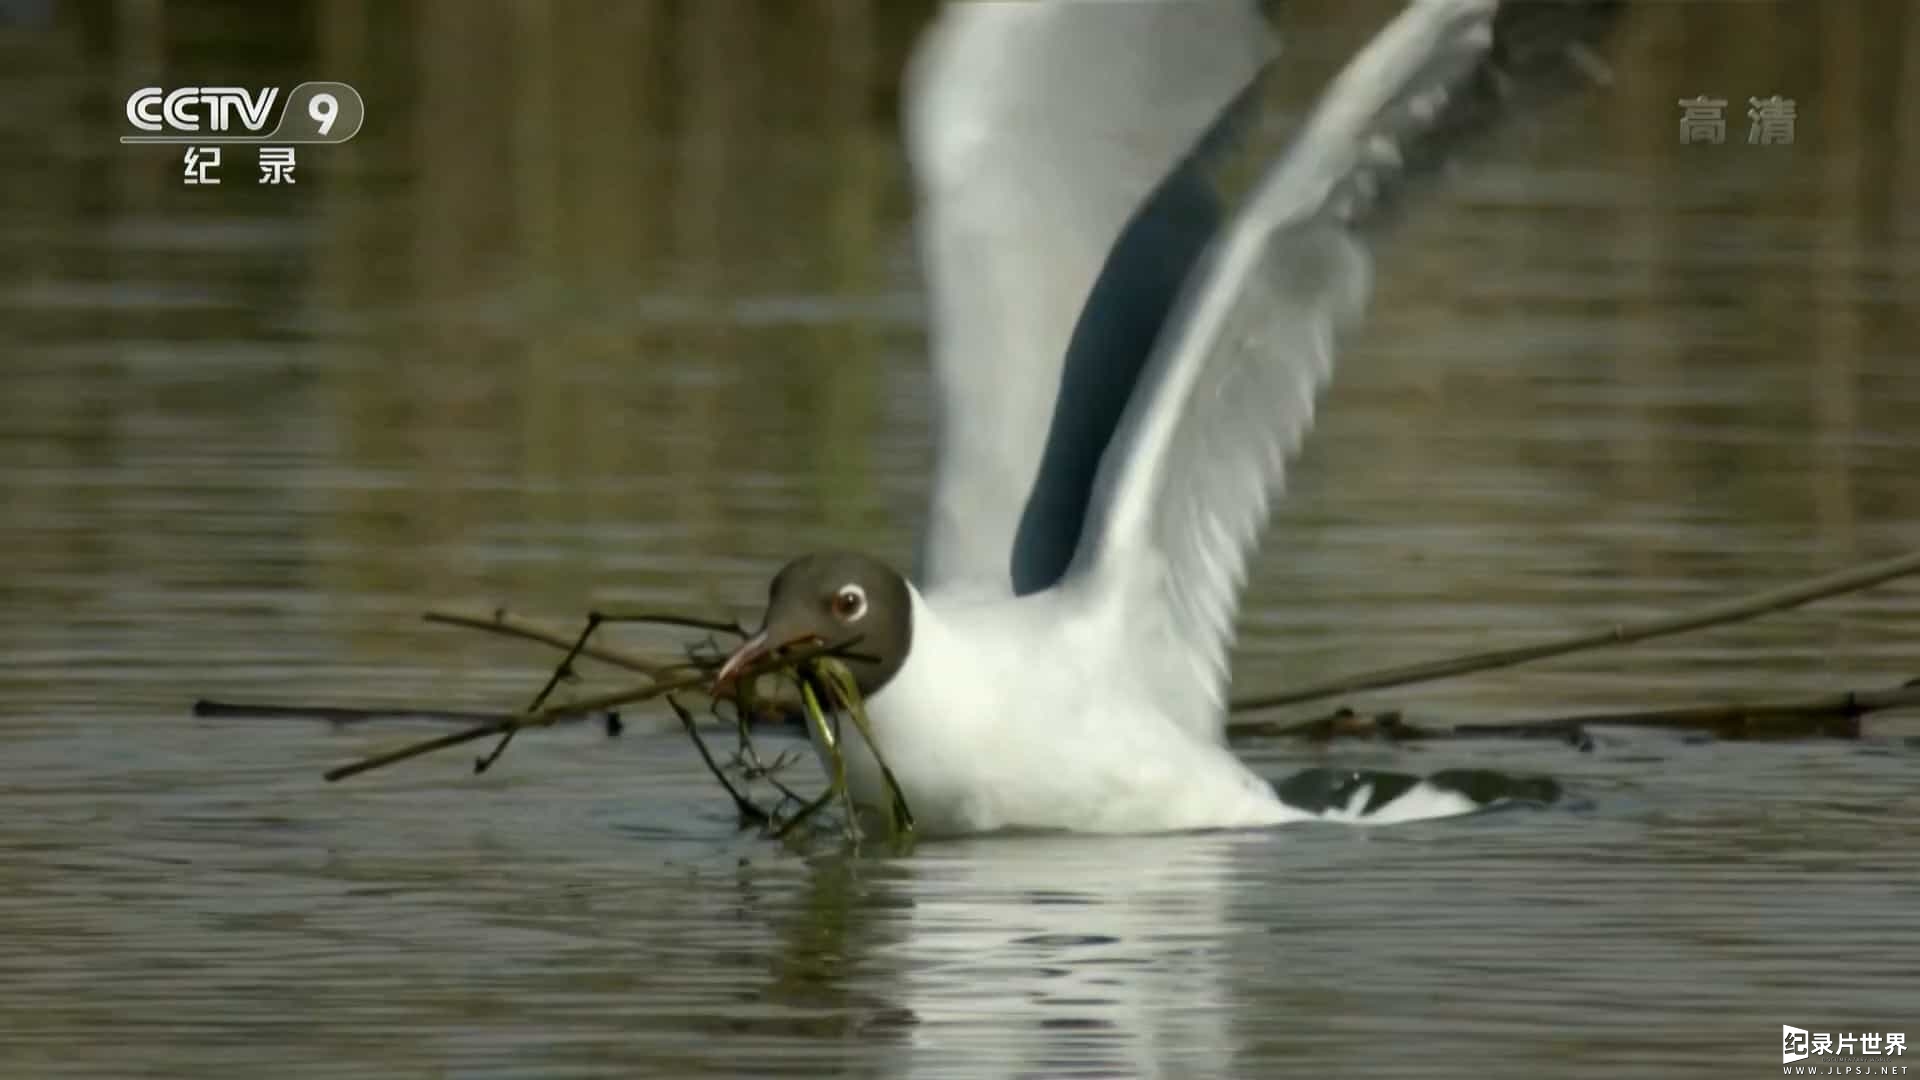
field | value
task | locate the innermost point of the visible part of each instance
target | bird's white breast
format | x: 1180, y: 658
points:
x: 1021, y: 713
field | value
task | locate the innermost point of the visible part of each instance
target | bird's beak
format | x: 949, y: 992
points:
x: 750, y: 650
x: 770, y: 640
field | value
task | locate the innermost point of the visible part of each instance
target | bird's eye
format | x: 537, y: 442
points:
x: 850, y: 603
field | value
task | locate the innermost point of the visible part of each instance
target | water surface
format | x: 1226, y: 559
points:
x: 623, y: 314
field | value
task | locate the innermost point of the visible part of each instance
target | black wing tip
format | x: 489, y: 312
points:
x: 1320, y: 790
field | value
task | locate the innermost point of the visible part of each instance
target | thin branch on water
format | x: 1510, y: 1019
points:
x: 1836, y: 584
x: 800, y: 816
x: 346, y: 716
x: 337, y: 714
x: 414, y: 750
x: 747, y: 810
x: 544, y: 718
x: 1834, y: 716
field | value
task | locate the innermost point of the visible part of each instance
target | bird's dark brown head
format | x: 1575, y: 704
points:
x: 831, y: 598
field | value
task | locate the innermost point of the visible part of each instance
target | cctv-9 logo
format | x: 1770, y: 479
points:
x: 314, y: 112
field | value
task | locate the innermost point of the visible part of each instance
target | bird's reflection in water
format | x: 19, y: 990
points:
x: 1039, y: 954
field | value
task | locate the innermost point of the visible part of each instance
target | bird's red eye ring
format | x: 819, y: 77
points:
x: 850, y: 603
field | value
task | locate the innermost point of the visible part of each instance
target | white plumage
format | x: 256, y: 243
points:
x: 1126, y: 360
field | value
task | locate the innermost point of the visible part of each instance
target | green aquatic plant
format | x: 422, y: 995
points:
x: 844, y: 695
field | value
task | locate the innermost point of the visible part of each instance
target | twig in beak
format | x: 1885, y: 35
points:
x: 553, y: 714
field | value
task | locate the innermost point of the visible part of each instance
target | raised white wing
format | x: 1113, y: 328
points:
x: 1040, y: 132
x: 1229, y: 392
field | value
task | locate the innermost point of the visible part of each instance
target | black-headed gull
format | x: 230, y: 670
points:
x: 1124, y: 369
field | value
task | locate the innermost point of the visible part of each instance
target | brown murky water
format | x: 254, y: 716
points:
x: 621, y: 311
